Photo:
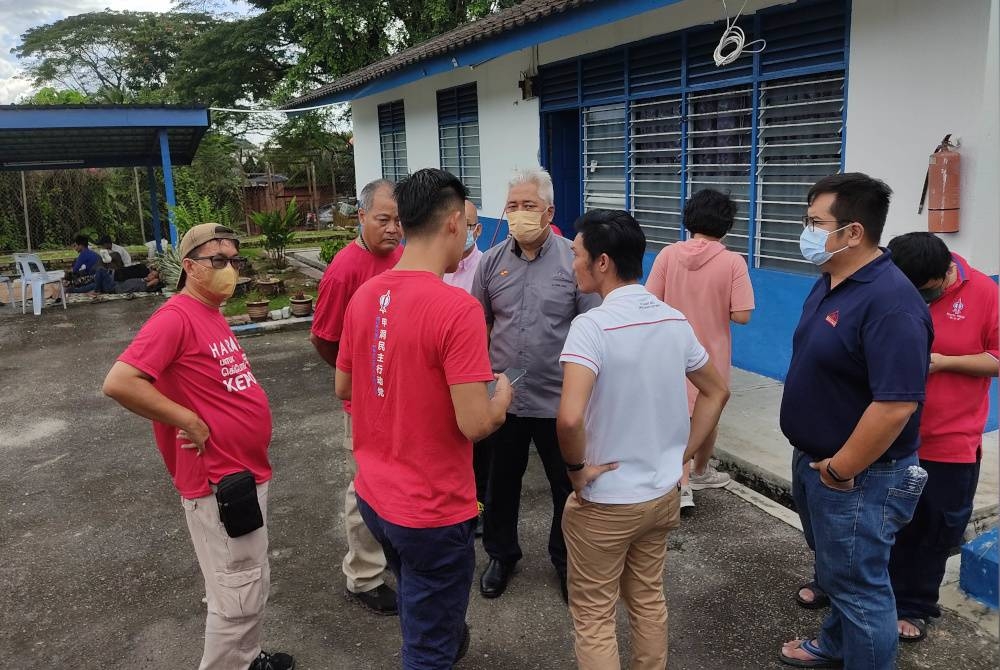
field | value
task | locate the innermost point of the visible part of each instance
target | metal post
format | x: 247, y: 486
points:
x: 168, y: 184
x: 154, y: 207
x: 138, y: 203
x: 24, y: 203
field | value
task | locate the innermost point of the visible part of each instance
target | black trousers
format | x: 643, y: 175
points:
x: 508, y: 450
x: 917, y: 561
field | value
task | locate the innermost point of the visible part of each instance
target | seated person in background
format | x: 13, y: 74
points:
x: 106, y: 243
x: 134, y: 271
x: 87, y: 261
x: 81, y: 278
x: 104, y: 282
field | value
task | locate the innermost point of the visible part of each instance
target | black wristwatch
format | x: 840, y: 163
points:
x: 835, y: 476
x: 574, y: 467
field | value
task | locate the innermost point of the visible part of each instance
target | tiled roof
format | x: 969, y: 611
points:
x: 519, y: 15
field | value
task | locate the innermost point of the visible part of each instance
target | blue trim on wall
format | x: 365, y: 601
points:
x: 558, y: 25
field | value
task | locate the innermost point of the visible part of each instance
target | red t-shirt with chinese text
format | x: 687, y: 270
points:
x: 956, y: 407
x: 407, y: 338
x: 195, y: 360
x: 349, y: 269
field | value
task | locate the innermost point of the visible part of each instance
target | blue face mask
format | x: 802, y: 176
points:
x: 812, y: 244
x: 470, y: 239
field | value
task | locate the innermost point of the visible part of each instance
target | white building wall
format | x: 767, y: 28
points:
x: 920, y: 69
x: 917, y: 69
x: 508, y: 126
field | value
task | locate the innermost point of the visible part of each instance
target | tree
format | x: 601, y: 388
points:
x: 109, y: 56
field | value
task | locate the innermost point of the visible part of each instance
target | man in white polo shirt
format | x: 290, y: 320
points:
x: 624, y: 434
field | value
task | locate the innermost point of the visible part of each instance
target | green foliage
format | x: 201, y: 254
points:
x: 52, y: 96
x: 278, y: 229
x: 169, y: 262
x: 195, y: 210
x: 329, y: 249
x: 110, y: 56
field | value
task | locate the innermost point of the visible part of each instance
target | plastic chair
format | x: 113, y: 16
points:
x: 34, y: 274
x: 5, y: 280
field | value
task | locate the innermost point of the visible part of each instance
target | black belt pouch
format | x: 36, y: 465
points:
x: 239, y: 508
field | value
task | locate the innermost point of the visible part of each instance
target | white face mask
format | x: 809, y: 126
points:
x: 470, y: 239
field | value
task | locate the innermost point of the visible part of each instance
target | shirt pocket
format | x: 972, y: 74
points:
x: 558, y: 297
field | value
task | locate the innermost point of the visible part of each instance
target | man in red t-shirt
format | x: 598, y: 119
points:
x: 963, y: 305
x: 413, y: 361
x: 373, y: 252
x: 186, y: 372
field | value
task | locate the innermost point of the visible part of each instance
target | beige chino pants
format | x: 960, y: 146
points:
x: 365, y: 561
x: 618, y: 551
x: 237, y: 579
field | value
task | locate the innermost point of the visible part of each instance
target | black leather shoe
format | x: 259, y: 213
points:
x: 381, y: 600
x: 494, y: 580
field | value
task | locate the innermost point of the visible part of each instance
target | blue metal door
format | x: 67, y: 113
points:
x: 561, y: 157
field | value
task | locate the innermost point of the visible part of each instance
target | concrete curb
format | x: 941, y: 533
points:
x: 264, y: 327
x: 304, y: 260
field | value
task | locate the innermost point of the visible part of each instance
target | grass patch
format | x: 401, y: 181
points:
x: 236, y: 306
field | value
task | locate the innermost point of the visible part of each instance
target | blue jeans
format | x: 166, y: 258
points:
x: 434, y: 569
x: 852, y: 533
x: 104, y: 282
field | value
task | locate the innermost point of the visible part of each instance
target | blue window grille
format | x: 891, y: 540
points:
x: 392, y: 140
x: 458, y: 136
x: 661, y: 121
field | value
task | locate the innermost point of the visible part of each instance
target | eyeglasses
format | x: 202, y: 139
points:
x: 810, y: 222
x: 220, y: 262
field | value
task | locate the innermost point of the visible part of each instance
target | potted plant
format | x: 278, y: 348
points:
x: 268, y: 286
x: 301, y: 304
x: 257, y: 306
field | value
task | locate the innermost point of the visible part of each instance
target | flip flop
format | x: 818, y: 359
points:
x: 818, y: 660
x: 918, y: 623
x: 819, y: 601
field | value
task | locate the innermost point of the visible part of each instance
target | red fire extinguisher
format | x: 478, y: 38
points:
x: 942, y: 188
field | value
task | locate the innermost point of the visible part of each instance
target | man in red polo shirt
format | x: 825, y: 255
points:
x: 963, y: 305
x: 374, y: 251
x: 413, y: 360
x: 187, y: 372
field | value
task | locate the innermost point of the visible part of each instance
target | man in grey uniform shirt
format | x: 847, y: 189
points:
x: 529, y: 295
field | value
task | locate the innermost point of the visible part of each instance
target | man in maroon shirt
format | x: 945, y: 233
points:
x: 375, y: 250
x: 963, y: 305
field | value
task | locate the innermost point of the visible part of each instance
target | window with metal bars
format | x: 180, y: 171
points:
x: 799, y: 140
x: 392, y: 140
x: 458, y: 136
x: 762, y: 130
x: 655, y: 162
x: 604, y: 157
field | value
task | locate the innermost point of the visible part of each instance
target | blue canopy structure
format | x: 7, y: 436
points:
x: 60, y: 137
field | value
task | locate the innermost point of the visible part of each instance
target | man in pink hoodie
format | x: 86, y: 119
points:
x: 710, y: 285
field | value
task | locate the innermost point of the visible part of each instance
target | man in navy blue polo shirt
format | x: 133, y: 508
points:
x: 851, y: 410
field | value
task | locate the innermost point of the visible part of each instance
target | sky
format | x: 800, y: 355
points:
x: 17, y: 16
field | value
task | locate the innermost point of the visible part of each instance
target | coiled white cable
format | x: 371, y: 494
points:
x: 734, y: 38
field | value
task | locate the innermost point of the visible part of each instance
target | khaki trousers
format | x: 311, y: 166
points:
x: 365, y: 560
x: 237, y: 579
x: 618, y: 551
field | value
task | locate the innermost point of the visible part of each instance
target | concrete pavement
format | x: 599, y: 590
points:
x: 98, y: 570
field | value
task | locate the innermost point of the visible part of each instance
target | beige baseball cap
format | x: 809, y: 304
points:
x: 197, y: 236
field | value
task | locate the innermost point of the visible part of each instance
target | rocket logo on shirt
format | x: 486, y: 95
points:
x: 957, y: 308
x: 833, y: 318
x: 233, y: 365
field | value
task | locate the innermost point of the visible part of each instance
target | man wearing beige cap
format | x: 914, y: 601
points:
x: 187, y: 373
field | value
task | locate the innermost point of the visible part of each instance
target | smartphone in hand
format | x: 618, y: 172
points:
x: 513, y: 374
